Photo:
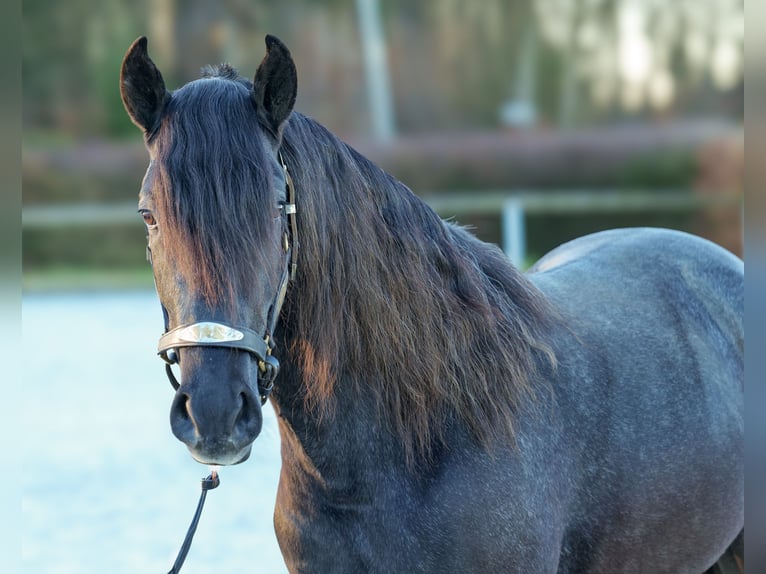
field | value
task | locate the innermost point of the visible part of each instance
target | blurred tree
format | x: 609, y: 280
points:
x: 454, y: 61
x: 50, y: 90
x: 645, y: 55
x: 454, y: 64
x: 71, y: 57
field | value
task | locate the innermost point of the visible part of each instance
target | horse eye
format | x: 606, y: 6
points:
x: 148, y: 218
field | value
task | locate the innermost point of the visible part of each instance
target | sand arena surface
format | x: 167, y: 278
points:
x: 106, y: 487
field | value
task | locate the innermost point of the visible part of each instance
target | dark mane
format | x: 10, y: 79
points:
x: 226, y: 72
x: 389, y: 299
x: 214, y: 197
x: 387, y: 287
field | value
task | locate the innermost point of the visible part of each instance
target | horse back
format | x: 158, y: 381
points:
x: 646, y: 283
x: 649, y: 398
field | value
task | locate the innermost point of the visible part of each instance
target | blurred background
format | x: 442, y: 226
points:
x: 531, y: 121
x: 593, y: 113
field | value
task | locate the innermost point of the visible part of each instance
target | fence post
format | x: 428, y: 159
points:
x: 514, y: 232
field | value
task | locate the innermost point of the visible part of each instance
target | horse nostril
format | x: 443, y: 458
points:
x: 247, y: 424
x: 182, y: 421
x: 244, y: 414
x: 181, y: 406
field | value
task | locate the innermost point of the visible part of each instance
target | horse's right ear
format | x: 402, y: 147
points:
x: 141, y: 87
x: 275, y: 86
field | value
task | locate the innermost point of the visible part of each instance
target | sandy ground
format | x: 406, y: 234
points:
x: 106, y: 487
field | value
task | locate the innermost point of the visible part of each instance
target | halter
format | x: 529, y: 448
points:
x: 219, y: 334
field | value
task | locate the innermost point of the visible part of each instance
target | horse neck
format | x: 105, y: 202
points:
x: 343, y: 451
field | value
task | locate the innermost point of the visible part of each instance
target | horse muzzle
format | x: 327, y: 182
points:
x: 215, y: 411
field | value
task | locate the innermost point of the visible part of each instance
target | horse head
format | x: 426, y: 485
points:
x: 219, y: 218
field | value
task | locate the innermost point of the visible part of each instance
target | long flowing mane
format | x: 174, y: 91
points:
x: 412, y: 310
x: 391, y: 301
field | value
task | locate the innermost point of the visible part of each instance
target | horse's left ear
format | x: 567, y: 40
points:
x: 275, y: 86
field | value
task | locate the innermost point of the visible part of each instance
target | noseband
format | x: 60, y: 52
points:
x: 218, y: 334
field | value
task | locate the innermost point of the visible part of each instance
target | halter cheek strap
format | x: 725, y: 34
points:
x: 217, y: 334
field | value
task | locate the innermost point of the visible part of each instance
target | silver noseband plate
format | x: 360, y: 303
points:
x: 209, y: 332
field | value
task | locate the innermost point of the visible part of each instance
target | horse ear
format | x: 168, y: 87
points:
x: 275, y: 86
x: 141, y: 87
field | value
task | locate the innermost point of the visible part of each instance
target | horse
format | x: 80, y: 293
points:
x: 438, y: 409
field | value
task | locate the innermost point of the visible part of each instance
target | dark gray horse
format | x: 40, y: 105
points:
x: 439, y: 411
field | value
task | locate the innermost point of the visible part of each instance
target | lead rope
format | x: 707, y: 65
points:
x: 271, y: 365
x: 209, y: 483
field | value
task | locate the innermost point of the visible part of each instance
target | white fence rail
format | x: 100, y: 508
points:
x: 512, y: 206
x: 79, y: 215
